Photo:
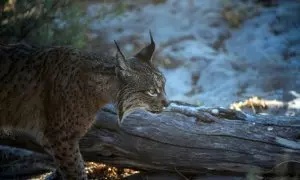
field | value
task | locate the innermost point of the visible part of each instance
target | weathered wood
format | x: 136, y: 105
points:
x: 172, y: 141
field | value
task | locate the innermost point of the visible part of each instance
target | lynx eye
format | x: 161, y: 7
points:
x: 152, y: 93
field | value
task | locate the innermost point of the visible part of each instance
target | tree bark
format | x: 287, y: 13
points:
x: 185, y: 139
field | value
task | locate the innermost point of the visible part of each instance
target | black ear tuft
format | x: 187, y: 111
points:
x: 147, y: 52
x: 122, y: 60
x: 119, y: 50
x: 152, y: 41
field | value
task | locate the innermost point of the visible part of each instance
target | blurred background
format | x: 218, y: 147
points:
x: 242, y: 54
x: 212, y: 52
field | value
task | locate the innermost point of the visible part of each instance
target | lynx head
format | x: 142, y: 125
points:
x: 142, y: 84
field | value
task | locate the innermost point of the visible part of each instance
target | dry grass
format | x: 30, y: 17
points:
x: 236, y: 12
x: 99, y: 171
x: 102, y: 171
x: 256, y: 105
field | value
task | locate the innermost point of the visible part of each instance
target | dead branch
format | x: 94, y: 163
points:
x: 191, y: 139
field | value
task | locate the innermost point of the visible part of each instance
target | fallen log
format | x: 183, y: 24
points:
x: 188, y: 139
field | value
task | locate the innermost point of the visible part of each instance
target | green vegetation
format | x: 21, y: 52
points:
x: 43, y: 22
x: 48, y: 22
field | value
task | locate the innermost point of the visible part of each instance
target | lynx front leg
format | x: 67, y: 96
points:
x: 69, y: 161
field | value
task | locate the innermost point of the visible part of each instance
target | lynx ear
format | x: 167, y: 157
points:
x: 121, y: 60
x: 147, y: 52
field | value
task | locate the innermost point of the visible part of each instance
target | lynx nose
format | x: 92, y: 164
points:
x: 164, y: 101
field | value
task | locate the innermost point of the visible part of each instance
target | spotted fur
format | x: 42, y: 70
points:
x: 54, y: 93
